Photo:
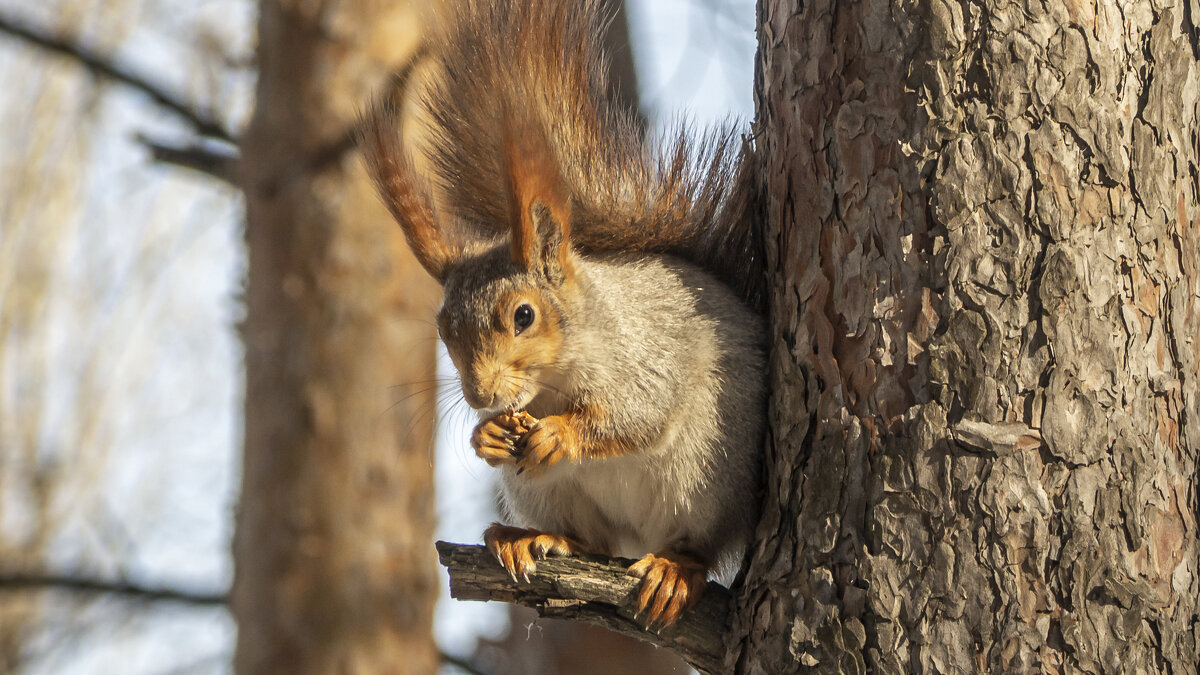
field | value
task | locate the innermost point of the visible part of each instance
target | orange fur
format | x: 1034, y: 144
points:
x: 405, y: 198
x: 597, y: 446
x: 494, y: 441
x: 552, y: 439
x: 519, y: 114
x: 518, y: 549
x: 523, y: 143
x: 497, y: 365
x: 533, y: 179
x: 570, y: 436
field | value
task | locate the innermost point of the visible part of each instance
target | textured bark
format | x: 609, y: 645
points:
x: 982, y: 225
x: 334, y: 568
x: 592, y: 589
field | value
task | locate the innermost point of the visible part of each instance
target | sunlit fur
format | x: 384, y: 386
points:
x: 537, y: 66
x: 661, y: 368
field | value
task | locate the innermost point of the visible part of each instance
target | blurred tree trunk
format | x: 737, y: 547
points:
x: 335, y: 567
x: 983, y: 224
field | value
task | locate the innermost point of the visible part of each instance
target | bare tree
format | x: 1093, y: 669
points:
x: 334, y: 569
x: 982, y: 228
x: 334, y: 564
x: 84, y: 322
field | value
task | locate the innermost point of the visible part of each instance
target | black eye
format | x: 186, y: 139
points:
x: 522, y: 318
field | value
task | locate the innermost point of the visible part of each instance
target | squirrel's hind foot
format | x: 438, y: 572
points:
x: 518, y: 549
x: 671, y: 582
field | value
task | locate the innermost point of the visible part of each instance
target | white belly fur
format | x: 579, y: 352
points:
x: 626, y: 506
x: 632, y: 496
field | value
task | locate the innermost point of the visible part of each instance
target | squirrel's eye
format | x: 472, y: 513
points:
x: 522, y: 318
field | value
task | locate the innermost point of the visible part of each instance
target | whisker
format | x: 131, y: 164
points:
x: 413, y: 419
x: 459, y: 415
x: 404, y: 399
x: 539, y: 383
x: 417, y: 319
x: 436, y: 380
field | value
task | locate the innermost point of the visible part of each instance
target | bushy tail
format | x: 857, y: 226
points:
x: 537, y: 67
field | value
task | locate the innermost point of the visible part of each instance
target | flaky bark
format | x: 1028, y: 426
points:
x: 334, y: 567
x: 592, y: 589
x: 983, y: 223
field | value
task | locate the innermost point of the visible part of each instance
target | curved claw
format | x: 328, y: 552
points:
x: 518, y: 549
x: 550, y: 441
x: 671, y: 583
x: 495, y: 440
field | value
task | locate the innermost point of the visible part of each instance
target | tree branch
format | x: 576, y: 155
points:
x: 224, y: 166
x: 594, y: 589
x: 13, y: 582
x: 97, y: 63
x: 32, y: 581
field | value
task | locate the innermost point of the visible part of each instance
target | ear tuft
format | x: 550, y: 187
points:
x: 539, y: 207
x: 554, y: 257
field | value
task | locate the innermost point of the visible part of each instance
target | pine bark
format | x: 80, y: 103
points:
x: 335, y: 571
x: 982, y: 225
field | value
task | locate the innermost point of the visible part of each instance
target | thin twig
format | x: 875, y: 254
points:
x: 16, y: 582
x: 224, y: 166
x: 97, y: 63
x: 79, y: 584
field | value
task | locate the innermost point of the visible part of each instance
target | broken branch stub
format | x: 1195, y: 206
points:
x: 594, y: 589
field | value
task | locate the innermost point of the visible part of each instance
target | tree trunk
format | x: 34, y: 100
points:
x: 335, y: 567
x: 982, y: 225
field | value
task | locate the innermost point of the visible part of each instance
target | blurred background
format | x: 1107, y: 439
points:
x: 122, y: 270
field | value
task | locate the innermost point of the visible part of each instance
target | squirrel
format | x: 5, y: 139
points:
x: 601, y: 298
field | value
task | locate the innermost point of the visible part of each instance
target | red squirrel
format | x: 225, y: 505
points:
x: 598, y: 295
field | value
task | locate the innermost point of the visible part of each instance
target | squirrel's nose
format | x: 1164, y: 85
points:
x: 478, y: 396
x: 479, y: 385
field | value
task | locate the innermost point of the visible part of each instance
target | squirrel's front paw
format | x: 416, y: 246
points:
x: 495, y: 440
x: 551, y: 440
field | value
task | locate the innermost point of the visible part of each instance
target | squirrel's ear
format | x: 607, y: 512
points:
x: 553, y: 254
x: 379, y: 139
x: 539, y: 209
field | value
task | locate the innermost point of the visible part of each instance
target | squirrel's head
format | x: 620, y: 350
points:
x: 503, y: 314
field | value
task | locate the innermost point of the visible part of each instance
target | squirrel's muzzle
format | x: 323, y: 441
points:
x: 477, y: 398
x: 479, y: 386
